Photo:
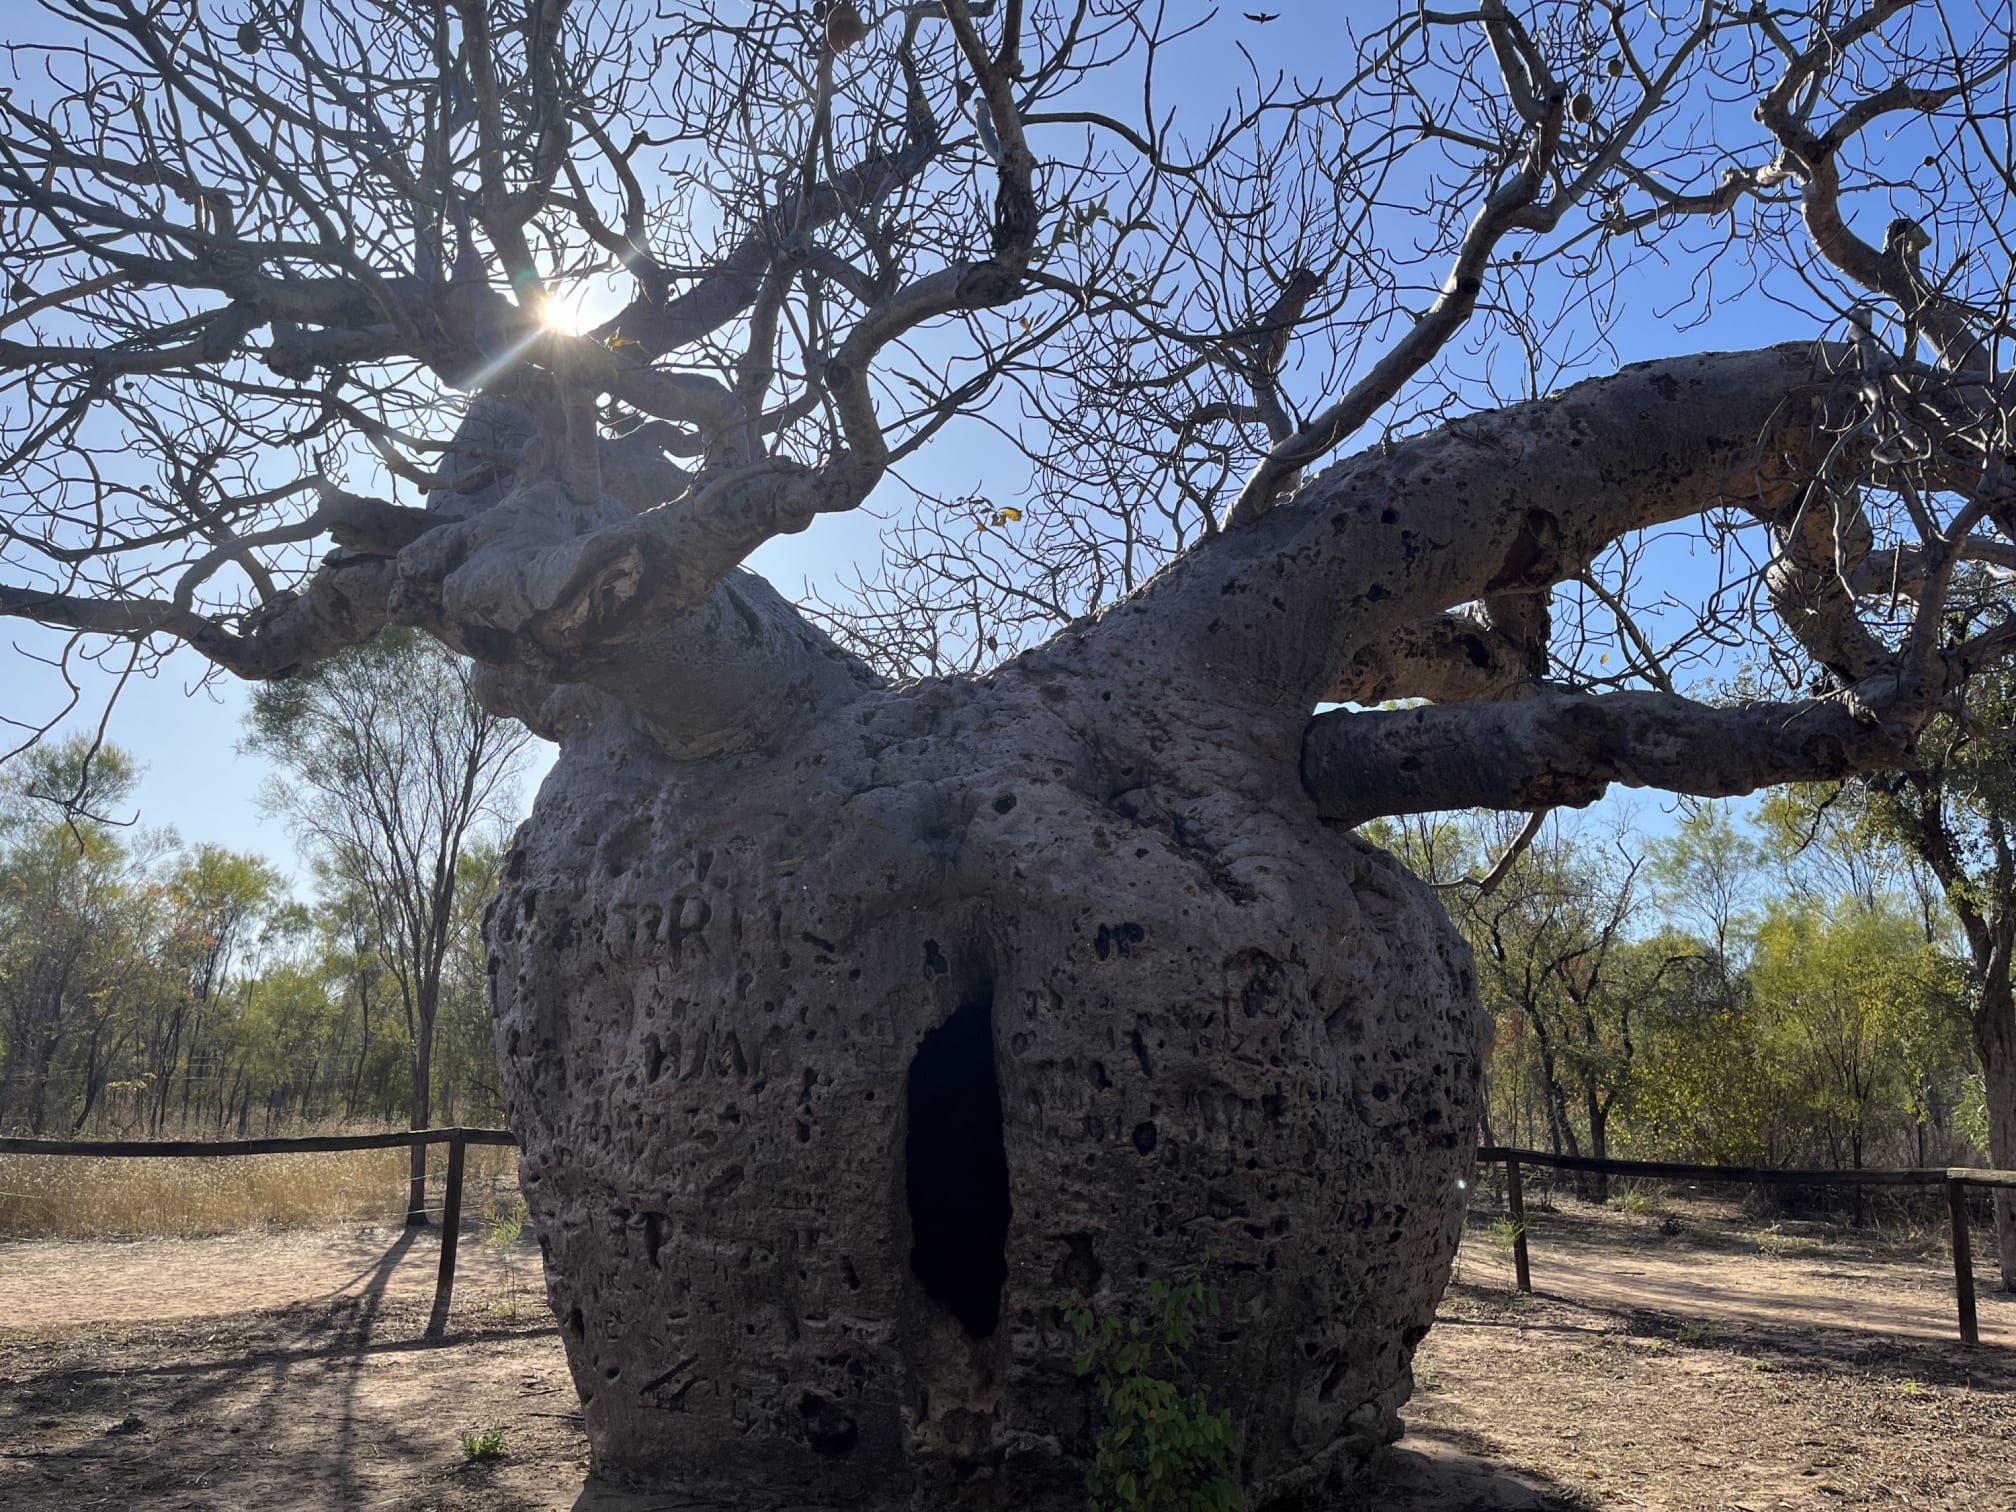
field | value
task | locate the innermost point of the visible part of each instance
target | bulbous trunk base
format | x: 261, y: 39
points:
x: 840, y: 1068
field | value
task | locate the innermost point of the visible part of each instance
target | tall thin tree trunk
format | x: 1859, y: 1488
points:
x: 1599, y: 1143
x: 363, y: 1049
x: 423, y: 1070
x: 192, y: 1058
x: 96, y: 1069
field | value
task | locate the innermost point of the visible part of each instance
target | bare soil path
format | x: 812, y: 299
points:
x: 1713, y: 1368
x: 1713, y: 1269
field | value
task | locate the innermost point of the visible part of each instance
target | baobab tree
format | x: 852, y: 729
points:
x: 870, y: 976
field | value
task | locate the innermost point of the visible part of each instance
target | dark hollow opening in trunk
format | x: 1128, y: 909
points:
x: 956, y: 1170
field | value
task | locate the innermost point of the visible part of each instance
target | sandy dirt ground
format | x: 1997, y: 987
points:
x: 52, y: 1283
x: 1711, y: 1368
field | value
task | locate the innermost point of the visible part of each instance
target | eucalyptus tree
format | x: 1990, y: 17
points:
x: 389, y: 769
x: 75, y: 918
x: 216, y: 900
x: 868, y: 979
x: 1556, y: 964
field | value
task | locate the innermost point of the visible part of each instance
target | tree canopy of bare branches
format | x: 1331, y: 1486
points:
x: 309, y: 274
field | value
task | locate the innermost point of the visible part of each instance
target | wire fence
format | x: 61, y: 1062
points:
x: 458, y: 1142
x: 1955, y: 1180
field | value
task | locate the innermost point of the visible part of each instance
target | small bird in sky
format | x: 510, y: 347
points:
x: 1262, y: 17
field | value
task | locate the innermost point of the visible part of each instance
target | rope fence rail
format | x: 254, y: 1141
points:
x: 1955, y: 1180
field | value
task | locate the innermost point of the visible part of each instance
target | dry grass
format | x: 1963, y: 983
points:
x: 76, y: 1197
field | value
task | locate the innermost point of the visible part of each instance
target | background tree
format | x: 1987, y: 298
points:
x: 68, y: 931
x: 1954, y: 816
x: 283, y: 273
x: 1705, y: 873
x: 1731, y: 1012
x: 467, y: 1087
x: 1554, y: 966
x: 152, y: 988
x: 392, y: 767
x: 1873, y: 1005
x: 1715, y: 1086
x: 214, y: 898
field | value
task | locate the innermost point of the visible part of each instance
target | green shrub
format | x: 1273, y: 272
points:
x: 481, y: 1445
x: 1503, y: 1236
x: 1161, y: 1448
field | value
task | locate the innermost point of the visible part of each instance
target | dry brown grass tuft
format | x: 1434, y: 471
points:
x: 78, y: 1197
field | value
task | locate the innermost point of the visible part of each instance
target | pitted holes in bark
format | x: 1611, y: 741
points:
x: 956, y: 1169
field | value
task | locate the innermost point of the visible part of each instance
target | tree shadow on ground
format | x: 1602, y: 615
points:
x: 1448, y: 1470
x: 1719, y: 1223
x: 268, y: 1409
x: 1797, y: 1348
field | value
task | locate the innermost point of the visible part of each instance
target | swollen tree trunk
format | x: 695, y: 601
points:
x: 841, y: 1063
x: 849, y: 1031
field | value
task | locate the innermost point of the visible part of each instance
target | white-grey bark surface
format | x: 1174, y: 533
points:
x: 1221, y: 1034
x: 850, y: 1029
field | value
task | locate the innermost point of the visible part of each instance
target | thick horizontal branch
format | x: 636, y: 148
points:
x: 1495, y: 505
x: 1342, y: 588
x: 344, y: 605
x: 1566, y: 750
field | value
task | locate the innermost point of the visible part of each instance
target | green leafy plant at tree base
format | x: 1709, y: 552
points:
x: 1503, y: 1235
x: 1161, y: 1448
x: 481, y: 1445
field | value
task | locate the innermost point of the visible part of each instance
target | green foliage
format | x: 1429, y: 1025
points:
x: 504, y: 1226
x: 1162, y: 1448
x: 1706, y: 874
x: 482, y: 1445
x: 1564, y: 978
x: 1784, y: 991
x: 74, y: 776
x: 147, y: 987
x: 1875, y: 1014
x: 1503, y: 1236
x: 393, y: 768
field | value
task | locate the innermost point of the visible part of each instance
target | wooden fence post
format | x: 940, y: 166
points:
x: 1515, y: 1204
x: 1963, y: 1261
x: 451, y: 1230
